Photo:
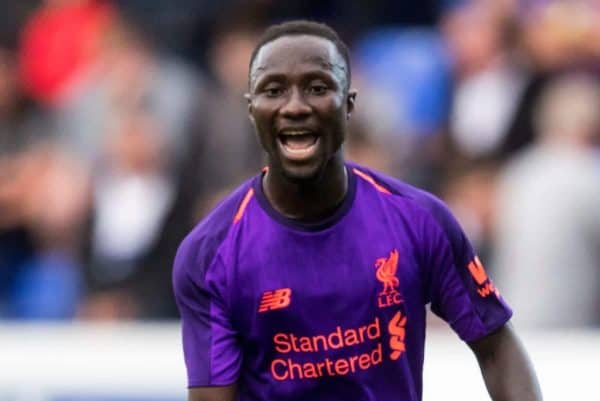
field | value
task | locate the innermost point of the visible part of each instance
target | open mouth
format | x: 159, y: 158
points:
x: 298, y: 145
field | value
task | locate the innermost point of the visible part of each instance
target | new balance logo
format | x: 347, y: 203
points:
x: 277, y: 299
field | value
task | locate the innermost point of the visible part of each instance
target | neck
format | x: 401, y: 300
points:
x: 308, y: 200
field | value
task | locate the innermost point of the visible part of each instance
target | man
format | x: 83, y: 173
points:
x: 310, y: 281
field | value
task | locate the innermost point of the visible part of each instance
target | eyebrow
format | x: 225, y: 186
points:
x: 278, y: 76
x: 311, y: 59
x: 324, y: 63
x: 321, y: 61
x: 256, y: 70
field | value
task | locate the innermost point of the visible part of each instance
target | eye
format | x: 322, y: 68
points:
x: 273, y: 90
x: 317, y: 89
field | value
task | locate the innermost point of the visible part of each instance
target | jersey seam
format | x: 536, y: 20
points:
x: 429, y: 214
x: 454, y: 259
x: 212, y: 265
x: 189, y: 277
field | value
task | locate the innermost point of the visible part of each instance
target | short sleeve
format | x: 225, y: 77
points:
x: 210, y: 346
x: 459, y: 288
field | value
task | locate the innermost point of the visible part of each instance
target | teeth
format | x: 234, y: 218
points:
x: 295, y: 133
x: 298, y: 145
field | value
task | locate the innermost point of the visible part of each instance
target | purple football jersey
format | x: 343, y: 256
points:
x: 333, y: 310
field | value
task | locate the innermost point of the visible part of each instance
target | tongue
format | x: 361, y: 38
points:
x: 297, y: 142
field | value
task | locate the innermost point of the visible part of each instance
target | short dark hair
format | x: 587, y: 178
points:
x: 303, y: 27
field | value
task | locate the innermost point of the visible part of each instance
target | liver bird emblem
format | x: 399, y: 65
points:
x: 386, y: 272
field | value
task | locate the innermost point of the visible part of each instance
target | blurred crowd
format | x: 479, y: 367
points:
x: 123, y: 122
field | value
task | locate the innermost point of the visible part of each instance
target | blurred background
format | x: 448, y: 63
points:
x: 122, y: 123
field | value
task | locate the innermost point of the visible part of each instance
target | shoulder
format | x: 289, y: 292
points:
x: 409, y: 196
x: 198, y: 249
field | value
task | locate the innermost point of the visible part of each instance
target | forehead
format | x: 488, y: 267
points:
x: 291, y: 51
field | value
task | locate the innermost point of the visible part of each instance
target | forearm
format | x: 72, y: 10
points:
x: 224, y: 393
x: 506, y: 368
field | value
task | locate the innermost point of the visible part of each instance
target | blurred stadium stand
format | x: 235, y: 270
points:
x: 141, y: 101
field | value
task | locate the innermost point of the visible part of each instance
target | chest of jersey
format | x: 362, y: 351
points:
x: 330, y: 293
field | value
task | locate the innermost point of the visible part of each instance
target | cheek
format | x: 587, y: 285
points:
x: 263, y: 125
x: 335, y: 102
x: 334, y: 112
x: 262, y: 116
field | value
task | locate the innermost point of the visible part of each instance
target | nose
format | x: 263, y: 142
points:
x: 295, y: 105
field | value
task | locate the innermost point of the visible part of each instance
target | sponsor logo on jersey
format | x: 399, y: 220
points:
x: 485, y: 287
x: 328, y: 361
x: 343, y: 351
x: 277, y: 299
x: 386, y: 274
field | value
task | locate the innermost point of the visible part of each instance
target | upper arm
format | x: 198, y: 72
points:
x: 459, y: 288
x: 505, y: 365
x: 485, y: 348
x: 211, y: 350
x: 224, y: 393
x: 500, y: 344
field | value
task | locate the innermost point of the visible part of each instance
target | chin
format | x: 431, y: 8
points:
x: 302, y: 174
x: 305, y: 171
x: 299, y: 173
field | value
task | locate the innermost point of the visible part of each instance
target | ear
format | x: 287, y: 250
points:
x: 248, y: 98
x: 350, y: 101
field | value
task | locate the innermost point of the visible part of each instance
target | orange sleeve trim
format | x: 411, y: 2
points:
x: 240, y: 212
x: 371, y: 181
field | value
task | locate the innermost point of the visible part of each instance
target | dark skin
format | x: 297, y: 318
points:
x: 299, y: 84
x: 505, y: 366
